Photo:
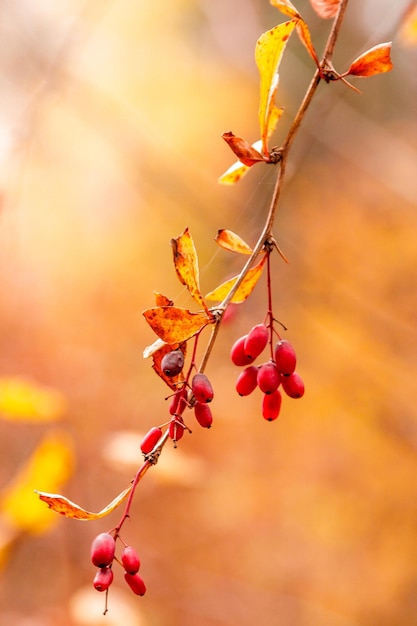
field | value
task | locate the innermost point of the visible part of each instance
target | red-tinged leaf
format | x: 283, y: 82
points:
x: 286, y: 7
x: 161, y: 300
x: 174, y: 325
x: 246, y: 153
x: 245, y: 288
x: 157, y: 356
x: 186, y: 265
x: 268, y: 54
x: 228, y: 240
x: 325, y: 8
x: 377, y: 60
x: 65, y: 507
x: 408, y: 26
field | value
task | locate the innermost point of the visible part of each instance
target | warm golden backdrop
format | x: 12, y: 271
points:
x: 110, y: 144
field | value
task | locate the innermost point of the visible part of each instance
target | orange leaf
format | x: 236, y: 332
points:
x: 175, y: 325
x: 268, y: 54
x: 186, y: 265
x: 65, y: 507
x: 228, y: 240
x: 245, y: 288
x: 161, y: 300
x: 286, y: 7
x: 246, y: 153
x: 377, y: 60
x: 325, y: 8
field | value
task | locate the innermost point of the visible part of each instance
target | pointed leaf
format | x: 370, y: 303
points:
x: 65, y: 507
x: 50, y: 465
x: 268, y: 54
x: 377, y: 60
x: 245, y: 288
x: 161, y: 300
x: 175, y: 325
x: 21, y: 400
x: 325, y: 8
x: 228, y: 240
x: 286, y: 7
x: 186, y: 265
x: 246, y: 153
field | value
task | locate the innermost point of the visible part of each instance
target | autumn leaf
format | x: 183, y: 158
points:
x: 377, y: 60
x: 286, y: 7
x: 237, y: 170
x: 161, y: 300
x: 246, y: 153
x: 21, y: 400
x: 228, y: 240
x: 408, y: 26
x: 268, y: 54
x: 65, y: 507
x: 49, y: 466
x: 325, y: 8
x: 174, y: 325
x: 186, y: 265
x: 245, y: 288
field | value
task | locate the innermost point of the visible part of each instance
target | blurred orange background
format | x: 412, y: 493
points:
x: 110, y: 144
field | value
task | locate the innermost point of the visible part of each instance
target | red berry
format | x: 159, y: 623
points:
x: 130, y: 560
x: 150, y: 440
x: 203, y: 414
x: 271, y: 405
x: 293, y: 385
x: 102, y: 550
x: 178, y: 402
x: 256, y: 341
x: 176, y: 429
x: 238, y: 355
x: 201, y: 388
x: 103, y: 579
x: 136, y: 583
x: 285, y: 357
x: 247, y: 380
x: 269, y: 377
x: 172, y: 363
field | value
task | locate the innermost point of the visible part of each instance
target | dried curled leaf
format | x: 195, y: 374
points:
x: 237, y: 170
x: 186, y: 265
x: 247, y: 154
x: 174, y: 325
x: 245, y: 288
x: 268, y: 54
x: 21, y: 400
x: 325, y: 8
x: 377, y: 60
x: 228, y: 240
x: 65, y: 507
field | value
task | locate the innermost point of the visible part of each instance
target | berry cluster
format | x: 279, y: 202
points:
x: 279, y: 371
x: 103, y: 556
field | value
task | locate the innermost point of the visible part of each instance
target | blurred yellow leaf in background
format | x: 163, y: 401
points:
x: 21, y: 400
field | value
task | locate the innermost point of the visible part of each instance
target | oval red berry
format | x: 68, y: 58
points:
x: 103, y: 579
x: 293, y: 385
x: 201, y: 388
x: 256, y: 341
x: 130, y: 560
x: 271, y: 405
x: 285, y: 357
x: 176, y: 429
x: 203, y: 414
x: 247, y: 380
x: 268, y: 377
x: 102, y: 550
x: 150, y: 440
x: 238, y: 355
x: 136, y: 583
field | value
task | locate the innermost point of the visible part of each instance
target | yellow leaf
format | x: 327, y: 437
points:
x: 186, y: 265
x: 245, y: 288
x: 21, y: 400
x: 50, y: 466
x: 268, y: 54
x: 65, y: 507
x: 286, y: 7
x: 408, y: 26
x: 234, y: 174
x: 228, y: 240
x: 174, y: 325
